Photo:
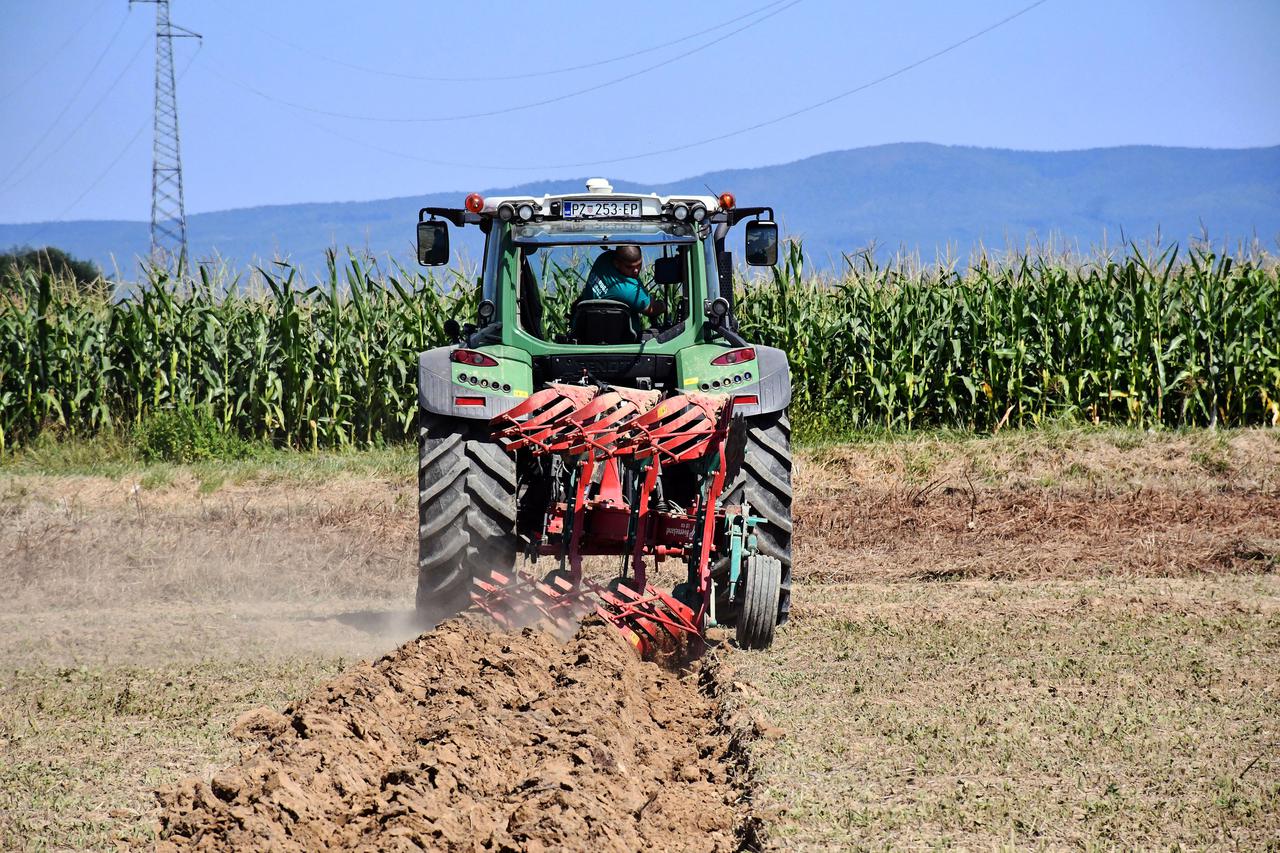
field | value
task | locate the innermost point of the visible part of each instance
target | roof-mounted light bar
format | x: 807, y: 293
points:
x: 518, y: 211
x: 682, y: 210
x: 693, y: 210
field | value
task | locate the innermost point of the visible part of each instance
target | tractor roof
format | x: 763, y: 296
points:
x: 597, y: 202
x: 599, y: 189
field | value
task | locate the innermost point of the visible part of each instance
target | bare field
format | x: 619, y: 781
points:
x: 1033, y: 639
x: 1134, y: 714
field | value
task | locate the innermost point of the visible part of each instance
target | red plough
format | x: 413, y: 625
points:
x: 604, y: 449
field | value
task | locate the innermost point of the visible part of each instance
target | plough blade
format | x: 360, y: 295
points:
x: 657, y: 625
x: 599, y: 423
x: 681, y: 428
x: 540, y: 422
x: 517, y: 601
x: 572, y: 419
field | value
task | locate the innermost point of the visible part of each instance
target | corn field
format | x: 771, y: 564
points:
x: 1174, y: 340
x: 321, y: 365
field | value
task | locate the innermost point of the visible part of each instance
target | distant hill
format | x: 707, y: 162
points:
x: 917, y: 196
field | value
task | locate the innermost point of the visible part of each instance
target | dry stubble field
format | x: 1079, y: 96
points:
x: 1034, y: 639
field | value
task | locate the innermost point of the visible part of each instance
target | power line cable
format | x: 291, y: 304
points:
x: 824, y: 102
x: 505, y: 110
x: 56, y: 53
x: 115, y: 162
x: 708, y: 140
x: 67, y: 105
x: 66, y: 137
x: 546, y: 72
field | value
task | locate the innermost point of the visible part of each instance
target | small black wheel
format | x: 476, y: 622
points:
x: 760, y: 590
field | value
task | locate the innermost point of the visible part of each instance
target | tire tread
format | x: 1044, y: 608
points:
x: 466, y: 510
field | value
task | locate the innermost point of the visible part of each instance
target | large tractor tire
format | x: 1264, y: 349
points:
x: 764, y: 481
x: 466, y: 511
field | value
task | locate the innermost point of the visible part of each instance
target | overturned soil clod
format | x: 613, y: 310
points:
x: 466, y: 739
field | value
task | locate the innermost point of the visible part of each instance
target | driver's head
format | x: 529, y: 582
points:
x: 628, y: 260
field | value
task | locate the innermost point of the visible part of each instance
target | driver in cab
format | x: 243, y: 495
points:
x: 616, y: 275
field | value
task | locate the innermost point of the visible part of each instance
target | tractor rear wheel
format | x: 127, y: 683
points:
x: 764, y: 482
x: 466, y: 511
x: 760, y: 590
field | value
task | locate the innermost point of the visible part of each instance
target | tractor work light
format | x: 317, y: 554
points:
x: 473, y: 358
x: 475, y: 203
x: 525, y: 211
x: 736, y: 356
x: 506, y: 212
x: 680, y: 212
x: 699, y: 211
x: 727, y: 201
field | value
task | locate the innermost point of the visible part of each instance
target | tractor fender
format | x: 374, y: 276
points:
x: 437, y: 391
x: 773, y: 387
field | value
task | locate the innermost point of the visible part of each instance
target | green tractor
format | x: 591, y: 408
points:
x: 564, y: 420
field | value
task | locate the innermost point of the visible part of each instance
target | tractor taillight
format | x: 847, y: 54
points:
x: 468, y: 401
x: 736, y: 356
x: 473, y: 358
x: 727, y: 201
x: 475, y: 202
x: 746, y: 400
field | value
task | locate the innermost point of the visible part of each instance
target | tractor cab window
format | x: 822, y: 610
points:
x: 603, y: 291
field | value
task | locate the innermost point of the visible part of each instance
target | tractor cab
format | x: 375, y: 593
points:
x: 544, y: 313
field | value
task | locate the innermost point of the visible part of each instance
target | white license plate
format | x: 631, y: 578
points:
x: 610, y: 209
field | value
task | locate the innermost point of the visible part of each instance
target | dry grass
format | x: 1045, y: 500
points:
x: 1132, y: 714
x: 82, y: 747
x: 1106, y: 458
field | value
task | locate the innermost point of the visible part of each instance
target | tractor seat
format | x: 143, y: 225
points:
x: 603, y: 321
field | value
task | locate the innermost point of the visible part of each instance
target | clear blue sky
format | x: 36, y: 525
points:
x: 1068, y: 74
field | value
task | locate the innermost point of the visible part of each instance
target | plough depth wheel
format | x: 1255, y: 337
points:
x: 760, y: 590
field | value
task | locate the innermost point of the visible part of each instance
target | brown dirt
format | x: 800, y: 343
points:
x: 466, y: 739
x: 1011, y: 533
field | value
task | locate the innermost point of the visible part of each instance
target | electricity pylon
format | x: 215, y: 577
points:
x: 168, y: 211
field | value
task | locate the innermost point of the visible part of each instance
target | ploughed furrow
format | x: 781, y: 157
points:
x: 470, y: 739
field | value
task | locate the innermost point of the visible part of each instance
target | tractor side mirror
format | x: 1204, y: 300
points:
x: 762, y: 243
x: 433, y: 243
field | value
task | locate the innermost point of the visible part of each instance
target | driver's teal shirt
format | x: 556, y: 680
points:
x: 605, y: 282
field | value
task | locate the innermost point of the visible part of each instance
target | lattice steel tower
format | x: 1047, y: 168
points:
x: 168, y: 212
